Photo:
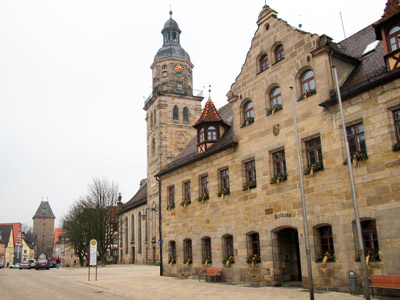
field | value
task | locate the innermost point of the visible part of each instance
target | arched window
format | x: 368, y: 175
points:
x: 249, y: 110
x: 172, y: 252
x: 227, y: 248
x: 211, y: 133
x: 151, y: 120
x: 279, y: 53
x: 155, y: 117
x: 264, y: 64
x: 394, y: 38
x: 275, y: 97
x: 175, y: 113
x: 185, y: 114
x: 187, y: 251
x: 139, y: 227
x: 206, y: 250
x: 307, y: 81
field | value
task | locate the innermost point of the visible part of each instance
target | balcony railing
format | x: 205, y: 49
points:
x: 173, y: 89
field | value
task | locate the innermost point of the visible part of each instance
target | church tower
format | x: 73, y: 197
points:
x: 43, y: 229
x: 172, y: 107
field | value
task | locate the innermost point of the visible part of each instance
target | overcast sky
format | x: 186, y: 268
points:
x: 74, y: 75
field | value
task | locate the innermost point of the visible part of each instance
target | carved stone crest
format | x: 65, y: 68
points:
x: 275, y: 129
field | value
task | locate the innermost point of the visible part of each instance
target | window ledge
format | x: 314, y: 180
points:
x: 278, y: 179
x: 311, y: 169
x: 262, y: 71
x: 356, y: 157
x: 276, y: 108
x: 278, y: 61
x: 247, y: 122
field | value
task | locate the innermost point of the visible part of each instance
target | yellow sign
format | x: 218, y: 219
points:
x: 93, y: 242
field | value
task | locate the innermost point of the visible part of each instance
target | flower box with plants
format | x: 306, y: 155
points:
x: 274, y: 109
x: 279, y: 178
x: 203, y: 198
x: 370, y: 256
x: 311, y: 169
x: 207, y: 261
x: 308, y: 93
x: 229, y: 260
x: 249, y: 185
x: 224, y: 192
x: 185, y: 202
x: 187, y: 261
x: 172, y: 261
x: 247, y: 121
x: 253, y: 259
x: 326, y: 257
x: 170, y: 206
x: 396, y: 147
x: 356, y: 157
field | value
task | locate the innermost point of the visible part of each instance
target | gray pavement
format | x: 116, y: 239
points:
x: 135, y: 282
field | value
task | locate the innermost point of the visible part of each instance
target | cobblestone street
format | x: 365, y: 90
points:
x: 135, y: 282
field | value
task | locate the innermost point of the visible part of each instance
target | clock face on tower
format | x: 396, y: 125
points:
x: 178, y: 68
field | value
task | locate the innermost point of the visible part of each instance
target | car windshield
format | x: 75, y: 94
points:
x: 42, y: 261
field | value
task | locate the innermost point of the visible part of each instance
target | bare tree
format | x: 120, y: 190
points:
x: 76, y: 228
x: 102, y: 201
x: 27, y: 229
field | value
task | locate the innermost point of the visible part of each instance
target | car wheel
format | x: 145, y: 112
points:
x: 47, y: 268
x: 20, y: 268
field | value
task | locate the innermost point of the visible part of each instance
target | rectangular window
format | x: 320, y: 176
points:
x: 314, y: 152
x: 187, y: 250
x: 253, y: 244
x: 326, y: 240
x: 250, y: 169
x: 186, y: 186
x: 171, y: 196
x: 356, y: 139
x: 370, y: 237
x: 397, y: 123
x: 228, y: 246
x: 279, y: 163
x: 172, y: 250
x: 204, y: 184
x: 224, y: 179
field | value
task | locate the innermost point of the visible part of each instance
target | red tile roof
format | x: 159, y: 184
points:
x: 392, y: 8
x: 209, y: 114
x: 16, y: 229
x: 57, y: 233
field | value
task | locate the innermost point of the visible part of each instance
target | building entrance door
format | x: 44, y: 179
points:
x: 287, y: 267
x: 133, y: 255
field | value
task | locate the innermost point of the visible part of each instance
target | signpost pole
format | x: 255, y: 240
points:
x: 93, y: 256
x: 88, y: 273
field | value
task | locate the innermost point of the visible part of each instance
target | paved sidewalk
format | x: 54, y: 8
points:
x: 136, y: 282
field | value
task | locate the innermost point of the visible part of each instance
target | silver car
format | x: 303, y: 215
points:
x: 25, y: 265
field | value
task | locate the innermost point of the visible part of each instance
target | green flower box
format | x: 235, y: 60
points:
x: 249, y: 186
x: 314, y: 168
x: 248, y: 121
x: 278, y: 179
x: 203, y: 197
x: 274, y: 109
x: 224, y: 192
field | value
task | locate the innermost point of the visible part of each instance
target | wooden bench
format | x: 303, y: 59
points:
x: 384, y: 282
x: 211, y: 273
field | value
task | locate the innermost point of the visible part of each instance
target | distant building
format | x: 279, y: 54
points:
x: 43, y: 229
x: 6, y: 245
x: 17, y: 241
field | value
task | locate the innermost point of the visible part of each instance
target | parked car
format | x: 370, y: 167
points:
x: 42, y: 263
x: 16, y: 266
x: 32, y: 262
x: 24, y: 265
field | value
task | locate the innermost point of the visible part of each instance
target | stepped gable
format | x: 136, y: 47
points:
x: 44, y: 211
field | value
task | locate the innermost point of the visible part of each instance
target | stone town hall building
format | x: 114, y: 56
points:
x: 229, y: 180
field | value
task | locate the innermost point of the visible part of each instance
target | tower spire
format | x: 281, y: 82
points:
x: 209, y: 92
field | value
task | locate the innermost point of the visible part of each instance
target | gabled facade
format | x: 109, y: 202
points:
x: 248, y: 217
x: 6, y: 244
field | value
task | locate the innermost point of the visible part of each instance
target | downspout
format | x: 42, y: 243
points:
x: 159, y: 224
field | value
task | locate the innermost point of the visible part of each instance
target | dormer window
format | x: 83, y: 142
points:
x: 394, y: 38
x: 211, y: 133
